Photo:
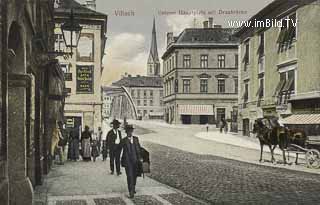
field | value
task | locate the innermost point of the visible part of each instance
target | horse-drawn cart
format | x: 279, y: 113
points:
x: 310, y: 150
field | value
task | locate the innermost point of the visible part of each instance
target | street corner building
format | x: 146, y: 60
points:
x: 280, y: 67
x: 201, y: 75
x: 32, y: 97
x: 82, y: 71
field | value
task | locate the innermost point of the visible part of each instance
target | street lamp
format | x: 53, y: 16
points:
x: 71, y: 31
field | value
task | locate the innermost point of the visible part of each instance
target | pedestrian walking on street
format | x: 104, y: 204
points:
x: 207, y: 126
x: 86, y: 140
x: 226, y: 127
x: 94, y: 149
x: 73, y: 148
x: 113, y: 143
x: 104, y: 150
x: 56, y: 138
x: 130, y: 159
x: 222, y: 124
x: 99, y: 138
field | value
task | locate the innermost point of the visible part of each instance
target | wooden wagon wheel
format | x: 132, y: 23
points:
x: 313, y: 158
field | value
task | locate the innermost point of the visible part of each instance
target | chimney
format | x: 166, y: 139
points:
x: 169, y: 38
x: 138, y: 76
x: 129, y: 75
x: 210, y: 22
x: 217, y: 26
x: 205, y: 24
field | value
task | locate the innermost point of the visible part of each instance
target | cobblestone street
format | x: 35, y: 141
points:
x: 223, y: 181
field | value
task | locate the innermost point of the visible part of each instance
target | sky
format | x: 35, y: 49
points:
x: 129, y: 36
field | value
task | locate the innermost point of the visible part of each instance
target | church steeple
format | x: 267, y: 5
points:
x: 153, y: 60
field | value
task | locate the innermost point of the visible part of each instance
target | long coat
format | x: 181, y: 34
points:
x: 111, y: 139
x: 125, y: 143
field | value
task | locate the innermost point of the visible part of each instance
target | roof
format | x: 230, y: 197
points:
x: 207, y: 35
x: 79, y: 9
x: 139, y: 81
x: 215, y: 37
x: 269, y: 10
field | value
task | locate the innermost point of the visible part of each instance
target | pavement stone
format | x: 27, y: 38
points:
x: 219, y: 180
x: 177, y: 199
x: 107, y: 201
x: 146, y: 200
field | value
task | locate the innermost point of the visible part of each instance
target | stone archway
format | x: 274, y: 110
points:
x: 20, y: 191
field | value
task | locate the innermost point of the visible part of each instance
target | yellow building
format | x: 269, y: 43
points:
x: 200, y: 77
x: 280, y: 66
x: 83, y: 70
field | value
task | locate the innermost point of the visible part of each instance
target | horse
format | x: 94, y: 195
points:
x: 271, y: 133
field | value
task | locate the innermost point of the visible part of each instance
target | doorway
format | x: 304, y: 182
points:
x: 186, y: 119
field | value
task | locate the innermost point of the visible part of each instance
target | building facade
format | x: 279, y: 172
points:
x: 31, y: 97
x: 279, y: 66
x: 200, y: 75
x: 146, y: 93
x: 83, y: 104
x: 106, y: 101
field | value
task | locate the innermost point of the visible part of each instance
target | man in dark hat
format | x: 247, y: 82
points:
x: 130, y: 159
x: 113, y: 143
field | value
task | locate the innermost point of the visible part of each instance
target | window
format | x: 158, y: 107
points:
x: 161, y: 93
x: 246, y: 59
x: 173, y: 62
x: 221, y: 114
x: 138, y: 102
x: 151, y: 93
x: 221, y: 86
x: 260, y: 92
x: 287, y: 32
x: 59, y: 43
x: 236, y: 84
x: 204, y: 61
x: 145, y: 103
x: 132, y: 93
x: 246, y: 92
x: 151, y: 102
x: 236, y: 60
x: 203, y: 85
x: 170, y: 64
x: 65, y: 68
x: 186, y: 86
x: 138, y: 93
x: 186, y: 61
x: 144, y: 94
x: 286, y: 86
x: 150, y: 68
x: 221, y: 61
x: 145, y: 113
x: 261, y: 45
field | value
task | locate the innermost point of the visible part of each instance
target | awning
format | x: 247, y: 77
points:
x: 302, y: 119
x: 288, y: 84
x: 279, y: 87
x: 260, y: 91
x: 196, y: 110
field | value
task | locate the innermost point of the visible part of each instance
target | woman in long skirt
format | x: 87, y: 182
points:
x: 86, y: 139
